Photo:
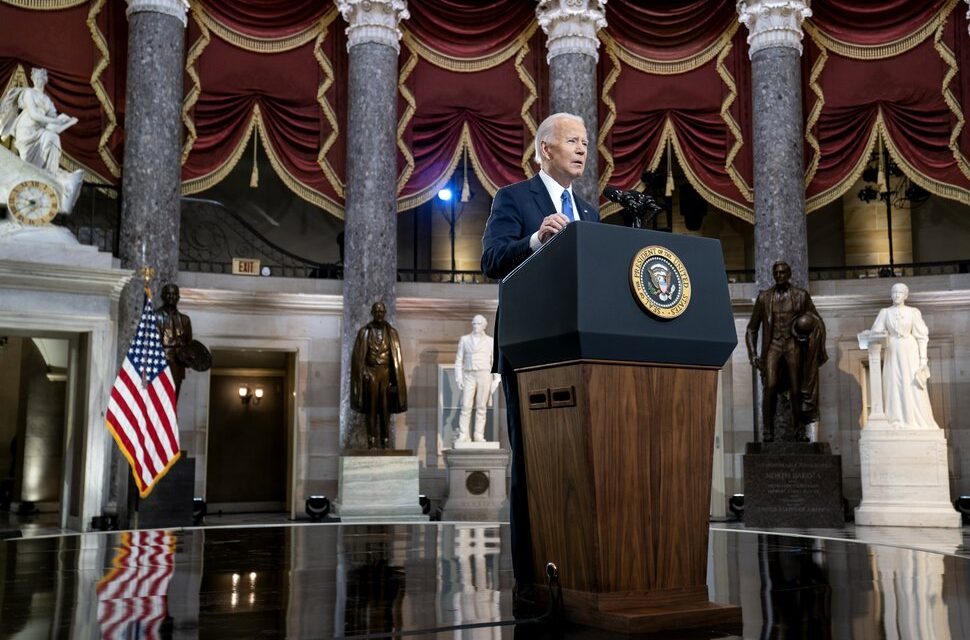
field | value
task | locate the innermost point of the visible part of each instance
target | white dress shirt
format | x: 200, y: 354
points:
x: 555, y: 193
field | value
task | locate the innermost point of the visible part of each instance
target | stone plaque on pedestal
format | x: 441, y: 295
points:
x: 378, y: 485
x: 792, y: 484
x: 476, y: 482
x: 905, y: 479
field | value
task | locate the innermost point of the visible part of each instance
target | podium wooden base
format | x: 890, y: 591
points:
x: 630, y: 614
x: 618, y: 466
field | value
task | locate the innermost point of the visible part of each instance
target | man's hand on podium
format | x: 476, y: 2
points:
x: 551, y: 225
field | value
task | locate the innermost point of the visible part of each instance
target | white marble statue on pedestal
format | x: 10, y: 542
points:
x: 902, y: 450
x: 905, y: 371
x: 477, y: 383
x: 28, y: 115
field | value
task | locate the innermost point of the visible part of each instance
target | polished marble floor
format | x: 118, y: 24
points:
x: 453, y: 581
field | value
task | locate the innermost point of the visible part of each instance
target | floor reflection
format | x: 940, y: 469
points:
x: 441, y: 580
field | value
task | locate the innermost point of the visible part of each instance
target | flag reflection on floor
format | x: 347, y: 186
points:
x: 132, y: 596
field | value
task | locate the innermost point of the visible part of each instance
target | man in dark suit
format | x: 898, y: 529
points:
x: 524, y: 216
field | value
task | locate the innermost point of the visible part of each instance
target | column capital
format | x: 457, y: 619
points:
x: 374, y: 21
x: 773, y: 23
x: 571, y: 26
x: 175, y: 8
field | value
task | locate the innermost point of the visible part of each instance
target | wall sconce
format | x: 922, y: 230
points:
x: 247, y: 395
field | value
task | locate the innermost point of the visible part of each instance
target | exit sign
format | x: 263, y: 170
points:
x: 245, y: 267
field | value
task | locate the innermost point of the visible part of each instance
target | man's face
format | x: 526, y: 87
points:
x: 39, y: 78
x: 378, y: 311
x: 478, y: 325
x: 564, y: 157
x: 782, y: 273
x: 170, y: 295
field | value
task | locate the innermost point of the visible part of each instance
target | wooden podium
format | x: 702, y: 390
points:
x: 618, y: 411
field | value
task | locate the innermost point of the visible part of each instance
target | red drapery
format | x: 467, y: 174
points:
x: 678, y: 75
x: 900, y: 87
x: 469, y: 80
x: 276, y: 80
x: 83, y: 49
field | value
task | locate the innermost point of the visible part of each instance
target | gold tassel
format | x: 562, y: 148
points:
x: 466, y: 192
x: 254, y: 176
x: 881, y: 177
x: 669, y: 189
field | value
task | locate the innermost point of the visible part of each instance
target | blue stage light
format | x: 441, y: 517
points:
x: 444, y: 194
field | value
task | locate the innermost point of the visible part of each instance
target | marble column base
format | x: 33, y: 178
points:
x: 378, y: 486
x: 905, y: 479
x: 476, y: 483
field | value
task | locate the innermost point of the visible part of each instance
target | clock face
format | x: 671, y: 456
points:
x: 32, y: 202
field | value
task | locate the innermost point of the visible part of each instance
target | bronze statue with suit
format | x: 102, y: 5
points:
x: 175, y: 328
x: 377, y: 387
x: 792, y: 350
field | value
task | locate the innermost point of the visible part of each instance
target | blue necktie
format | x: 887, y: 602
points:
x: 567, y: 206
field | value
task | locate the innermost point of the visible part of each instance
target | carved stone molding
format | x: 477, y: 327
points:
x: 773, y: 23
x: 175, y: 8
x: 374, y: 21
x: 571, y: 26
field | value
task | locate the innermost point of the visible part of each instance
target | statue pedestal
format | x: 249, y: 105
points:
x: 905, y: 479
x: 378, y: 485
x: 792, y: 484
x: 476, y: 482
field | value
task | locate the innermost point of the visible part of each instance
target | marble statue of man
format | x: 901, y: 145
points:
x: 29, y: 115
x: 473, y: 373
x: 905, y: 369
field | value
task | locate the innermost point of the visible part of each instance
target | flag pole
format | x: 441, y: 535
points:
x: 147, y: 273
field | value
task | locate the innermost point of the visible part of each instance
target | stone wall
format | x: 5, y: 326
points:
x: 303, y: 317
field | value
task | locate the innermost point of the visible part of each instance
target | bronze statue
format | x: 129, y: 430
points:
x: 181, y: 350
x: 377, y: 387
x: 792, y: 350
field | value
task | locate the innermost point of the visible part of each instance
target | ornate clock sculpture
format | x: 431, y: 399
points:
x: 32, y: 202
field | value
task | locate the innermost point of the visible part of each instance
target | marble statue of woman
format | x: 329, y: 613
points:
x: 905, y: 371
x: 29, y: 114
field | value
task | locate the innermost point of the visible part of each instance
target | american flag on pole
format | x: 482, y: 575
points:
x: 133, y: 595
x: 141, y: 409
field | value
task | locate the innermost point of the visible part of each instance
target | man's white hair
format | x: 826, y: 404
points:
x: 546, y: 129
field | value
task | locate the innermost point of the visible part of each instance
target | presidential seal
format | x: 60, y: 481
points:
x: 660, y: 282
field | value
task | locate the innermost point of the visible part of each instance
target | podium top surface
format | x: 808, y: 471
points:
x: 574, y: 299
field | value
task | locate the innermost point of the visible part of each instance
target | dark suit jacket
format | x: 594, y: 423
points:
x: 517, y: 212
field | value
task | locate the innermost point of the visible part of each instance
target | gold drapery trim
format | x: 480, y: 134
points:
x: 469, y: 65
x: 409, y: 110
x: 887, y: 50
x: 532, y: 95
x: 106, y: 105
x: 951, y: 101
x: 609, y: 47
x: 936, y: 187
x: 732, y: 125
x: 672, y: 67
x: 834, y: 192
x: 257, y: 127
x: 816, y: 111
x: 464, y: 142
x: 195, y: 52
x: 327, y: 70
x: 668, y: 136
x: 257, y: 44
x: 44, y: 5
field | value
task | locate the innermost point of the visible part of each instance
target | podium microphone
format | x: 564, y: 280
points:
x: 643, y: 207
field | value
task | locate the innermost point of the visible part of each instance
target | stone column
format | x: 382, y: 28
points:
x: 150, y: 205
x: 572, y: 56
x: 370, y: 233
x: 775, y: 48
